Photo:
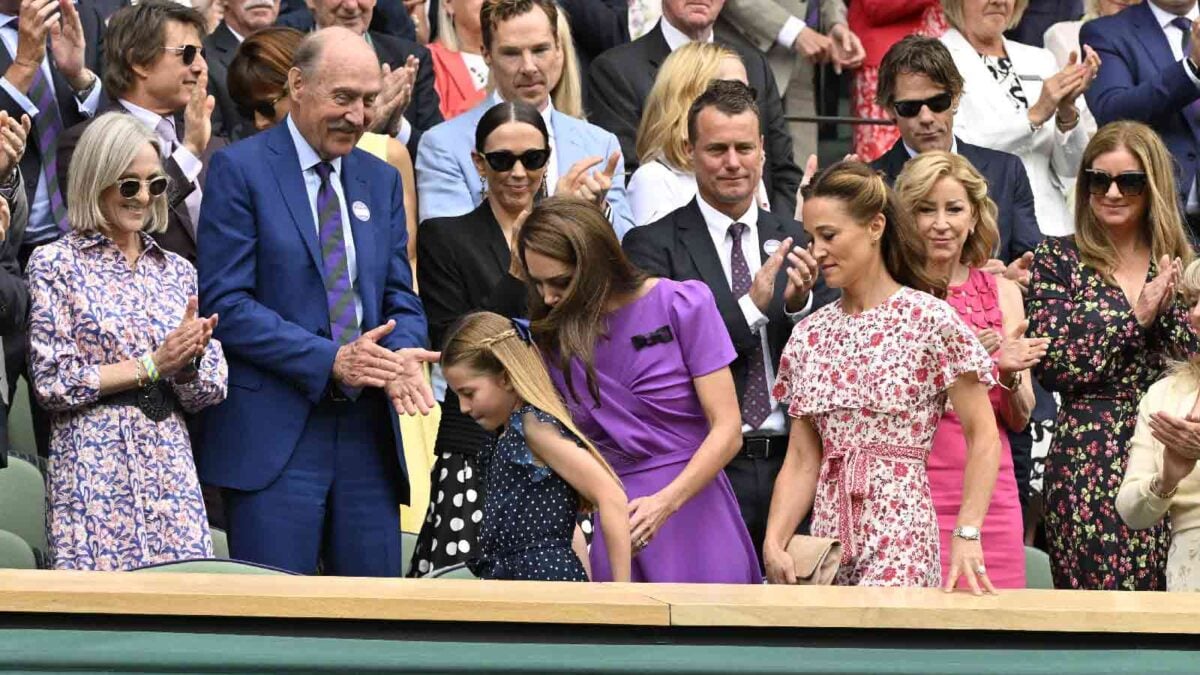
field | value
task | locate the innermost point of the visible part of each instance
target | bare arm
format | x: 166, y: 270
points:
x: 795, y: 488
x: 1017, y: 405
x: 970, y: 399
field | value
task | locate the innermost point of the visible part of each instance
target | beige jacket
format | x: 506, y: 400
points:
x: 756, y: 23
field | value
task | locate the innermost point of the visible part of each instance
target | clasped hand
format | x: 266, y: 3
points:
x: 366, y: 363
x: 1158, y: 294
x: 186, y: 342
x: 801, y: 277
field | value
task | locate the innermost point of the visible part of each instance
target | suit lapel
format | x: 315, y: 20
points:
x: 693, y: 232
x: 494, y: 237
x: 657, y: 49
x: 358, y: 197
x: 1150, y: 35
x: 291, y: 188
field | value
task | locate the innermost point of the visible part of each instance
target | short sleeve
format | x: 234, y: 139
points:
x: 955, y: 350
x: 516, y: 447
x: 790, y: 363
x: 703, y: 339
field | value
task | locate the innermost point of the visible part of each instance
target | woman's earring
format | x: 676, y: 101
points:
x: 483, y: 191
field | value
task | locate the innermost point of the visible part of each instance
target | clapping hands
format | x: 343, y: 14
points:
x: 185, y: 343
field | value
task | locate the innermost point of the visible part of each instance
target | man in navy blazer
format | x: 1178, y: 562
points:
x: 303, y: 257
x: 1146, y: 76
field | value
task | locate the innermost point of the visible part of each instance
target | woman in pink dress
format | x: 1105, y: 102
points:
x: 949, y: 201
x: 865, y: 381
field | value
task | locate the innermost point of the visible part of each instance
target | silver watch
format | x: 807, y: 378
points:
x: 968, y: 532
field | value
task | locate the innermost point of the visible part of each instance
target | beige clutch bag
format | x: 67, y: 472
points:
x: 817, y: 559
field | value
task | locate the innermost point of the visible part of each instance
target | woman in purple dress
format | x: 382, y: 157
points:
x: 643, y: 364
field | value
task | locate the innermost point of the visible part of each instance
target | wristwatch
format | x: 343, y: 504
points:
x: 1016, y: 382
x: 967, y: 532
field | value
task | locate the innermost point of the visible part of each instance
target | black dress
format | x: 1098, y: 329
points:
x: 463, y: 268
x: 529, y: 512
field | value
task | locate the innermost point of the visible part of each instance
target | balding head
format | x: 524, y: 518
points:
x: 333, y: 83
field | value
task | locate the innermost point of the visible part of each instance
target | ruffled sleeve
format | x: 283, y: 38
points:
x: 515, y: 448
x: 953, y: 350
x: 697, y: 325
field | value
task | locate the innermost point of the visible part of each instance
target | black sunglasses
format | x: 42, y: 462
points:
x: 187, y: 53
x: 131, y: 187
x: 266, y: 108
x: 1130, y: 183
x: 503, y: 160
x: 937, y: 104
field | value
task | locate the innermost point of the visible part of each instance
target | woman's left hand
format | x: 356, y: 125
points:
x: 646, y: 516
x: 966, y: 560
x: 1180, y: 434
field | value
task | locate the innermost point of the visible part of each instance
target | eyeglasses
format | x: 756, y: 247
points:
x: 266, y: 108
x: 187, y: 53
x: 937, y: 104
x: 1130, y: 183
x: 503, y: 160
x: 132, y: 187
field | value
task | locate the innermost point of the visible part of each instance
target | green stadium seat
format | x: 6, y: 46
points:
x: 459, y: 571
x: 211, y: 566
x: 408, y: 543
x: 15, y: 554
x: 1037, y: 569
x: 23, y: 503
x: 220, y: 543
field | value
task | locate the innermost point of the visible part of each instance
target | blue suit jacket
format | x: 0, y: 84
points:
x: 260, y: 270
x: 1140, y: 80
x: 449, y: 184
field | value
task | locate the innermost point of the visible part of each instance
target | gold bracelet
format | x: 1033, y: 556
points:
x: 1156, y: 489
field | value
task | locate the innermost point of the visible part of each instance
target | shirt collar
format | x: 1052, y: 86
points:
x: 1165, y: 18
x: 309, y: 157
x: 914, y: 153
x: 147, y: 117
x: 675, y: 37
x: 83, y: 241
x: 718, y: 223
x: 236, y: 34
x: 546, y: 114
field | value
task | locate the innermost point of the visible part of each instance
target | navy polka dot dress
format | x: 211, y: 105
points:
x: 529, y: 512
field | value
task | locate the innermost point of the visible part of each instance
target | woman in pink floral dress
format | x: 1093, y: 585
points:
x: 117, y: 352
x: 866, y: 380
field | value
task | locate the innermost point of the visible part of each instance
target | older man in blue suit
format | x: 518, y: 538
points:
x: 1150, y: 72
x: 526, y: 59
x: 303, y: 256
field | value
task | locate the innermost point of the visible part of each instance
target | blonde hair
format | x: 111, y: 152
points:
x: 446, y: 34
x: 1162, y: 226
x: 568, y: 93
x: 490, y: 344
x: 953, y: 10
x: 1189, y: 288
x: 685, y: 75
x: 922, y: 172
x: 105, y: 151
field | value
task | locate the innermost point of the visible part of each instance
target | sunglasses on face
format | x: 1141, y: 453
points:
x: 265, y: 108
x: 937, y: 104
x: 187, y: 53
x: 503, y: 160
x: 132, y: 187
x: 1130, y: 183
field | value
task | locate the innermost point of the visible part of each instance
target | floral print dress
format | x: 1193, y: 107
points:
x: 1101, y: 362
x: 123, y: 491
x: 873, y: 385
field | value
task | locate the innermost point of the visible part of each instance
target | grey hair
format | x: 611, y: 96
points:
x: 106, y: 149
x: 308, y: 54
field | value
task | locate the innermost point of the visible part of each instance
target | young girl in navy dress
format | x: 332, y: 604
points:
x: 539, y: 471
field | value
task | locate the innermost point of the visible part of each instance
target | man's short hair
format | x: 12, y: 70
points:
x: 495, y: 11
x: 920, y: 55
x: 730, y: 97
x: 136, y: 36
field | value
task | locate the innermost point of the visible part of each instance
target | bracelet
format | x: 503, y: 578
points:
x: 1065, y: 126
x: 1010, y: 387
x: 1156, y: 489
x: 152, y: 373
x: 141, y: 378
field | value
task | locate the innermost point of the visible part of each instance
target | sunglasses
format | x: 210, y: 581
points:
x: 187, y: 53
x: 1130, y: 183
x: 937, y: 104
x: 265, y: 108
x: 503, y: 160
x: 131, y: 187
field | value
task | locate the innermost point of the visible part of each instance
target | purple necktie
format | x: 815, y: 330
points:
x: 812, y: 17
x: 49, y: 127
x: 343, y: 322
x: 756, y: 403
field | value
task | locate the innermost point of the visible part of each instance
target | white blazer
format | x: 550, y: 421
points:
x: 987, y: 117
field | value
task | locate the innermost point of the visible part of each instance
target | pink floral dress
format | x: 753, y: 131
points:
x: 873, y: 385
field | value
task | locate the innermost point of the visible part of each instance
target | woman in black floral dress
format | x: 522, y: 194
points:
x: 1106, y: 299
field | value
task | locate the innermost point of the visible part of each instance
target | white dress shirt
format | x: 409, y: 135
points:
x: 174, y: 148
x: 1175, y: 40
x: 677, y: 38
x: 657, y: 188
x: 312, y: 183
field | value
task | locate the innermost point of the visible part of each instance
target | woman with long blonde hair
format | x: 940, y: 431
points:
x: 664, y: 180
x: 1106, y: 299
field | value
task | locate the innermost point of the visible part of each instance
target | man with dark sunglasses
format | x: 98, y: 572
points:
x: 156, y: 71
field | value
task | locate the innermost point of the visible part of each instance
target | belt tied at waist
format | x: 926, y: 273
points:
x: 849, y: 466
x: 156, y: 400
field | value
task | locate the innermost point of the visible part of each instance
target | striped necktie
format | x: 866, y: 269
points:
x: 49, y: 127
x: 339, y: 292
x: 756, y: 402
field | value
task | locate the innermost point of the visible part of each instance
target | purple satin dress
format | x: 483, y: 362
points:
x: 649, y: 424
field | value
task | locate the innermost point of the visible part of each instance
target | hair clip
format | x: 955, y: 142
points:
x: 661, y: 336
x: 521, y: 326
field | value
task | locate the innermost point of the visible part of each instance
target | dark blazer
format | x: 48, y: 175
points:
x: 679, y: 247
x: 596, y: 27
x: 1008, y: 186
x: 387, y: 17
x: 68, y: 104
x: 621, y: 78
x: 1140, y: 80
x: 14, y: 307
x: 228, y: 121
x: 179, y: 236
x: 424, y: 109
x: 1042, y: 14
x: 261, y: 269
x: 463, y: 268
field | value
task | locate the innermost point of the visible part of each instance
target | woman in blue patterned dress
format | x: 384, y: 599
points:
x: 117, y: 352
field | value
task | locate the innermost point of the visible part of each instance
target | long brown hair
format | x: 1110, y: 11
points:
x: 865, y: 194
x: 575, y: 233
x: 490, y: 344
x: 919, y: 176
x: 1163, y: 225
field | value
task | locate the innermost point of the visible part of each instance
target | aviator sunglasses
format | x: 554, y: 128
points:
x: 503, y: 160
x: 130, y: 187
x: 937, y: 104
x: 187, y: 53
x: 1130, y: 183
